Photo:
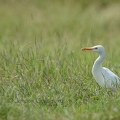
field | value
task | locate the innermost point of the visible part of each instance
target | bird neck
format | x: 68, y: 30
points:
x: 98, y: 62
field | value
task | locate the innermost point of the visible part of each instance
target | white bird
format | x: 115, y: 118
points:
x: 103, y: 76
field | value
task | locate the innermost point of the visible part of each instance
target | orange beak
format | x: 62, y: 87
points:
x: 87, y: 48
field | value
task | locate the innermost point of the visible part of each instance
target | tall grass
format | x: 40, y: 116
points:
x: 44, y: 74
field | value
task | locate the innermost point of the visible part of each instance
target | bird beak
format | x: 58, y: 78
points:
x: 87, y: 48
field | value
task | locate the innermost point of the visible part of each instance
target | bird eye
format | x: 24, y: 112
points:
x: 96, y: 48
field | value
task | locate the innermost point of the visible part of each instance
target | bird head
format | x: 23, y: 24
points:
x: 98, y: 48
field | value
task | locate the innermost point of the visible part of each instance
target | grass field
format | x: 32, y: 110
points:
x: 44, y: 75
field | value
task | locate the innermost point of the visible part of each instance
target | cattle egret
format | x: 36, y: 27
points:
x: 103, y: 76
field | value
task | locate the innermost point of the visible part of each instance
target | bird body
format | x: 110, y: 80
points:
x: 103, y: 76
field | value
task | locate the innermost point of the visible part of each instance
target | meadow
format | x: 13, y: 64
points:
x: 44, y: 74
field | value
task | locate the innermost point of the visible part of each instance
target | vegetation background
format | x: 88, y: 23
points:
x: 43, y: 72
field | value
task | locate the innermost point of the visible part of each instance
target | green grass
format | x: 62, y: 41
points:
x: 43, y: 72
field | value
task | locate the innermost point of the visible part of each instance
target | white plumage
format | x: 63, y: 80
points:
x: 103, y: 76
